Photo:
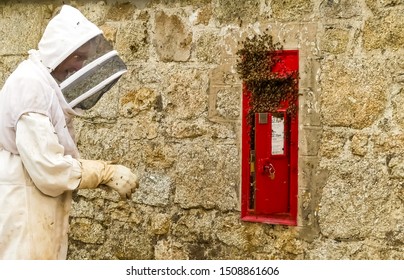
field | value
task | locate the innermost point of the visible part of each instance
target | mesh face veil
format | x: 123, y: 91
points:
x: 100, y: 68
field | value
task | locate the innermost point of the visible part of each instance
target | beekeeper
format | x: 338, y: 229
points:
x: 39, y: 160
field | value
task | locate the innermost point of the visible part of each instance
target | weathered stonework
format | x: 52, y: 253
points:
x: 335, y: 40
x: 172, y: 39
x: 232, y: 12
x: 365, y: 85
x: 175, y: 119
x: 385, y: 32
x: 13, y: 34
x: 292, y: 10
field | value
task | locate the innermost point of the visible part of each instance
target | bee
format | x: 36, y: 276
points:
x: 268, y: 89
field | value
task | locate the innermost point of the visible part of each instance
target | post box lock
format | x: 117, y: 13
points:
x: 267, y: 168
x: 270, y: 171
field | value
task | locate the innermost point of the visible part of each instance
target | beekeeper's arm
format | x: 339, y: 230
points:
x: 53, y: 172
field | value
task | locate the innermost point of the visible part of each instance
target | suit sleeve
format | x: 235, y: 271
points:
x: 43, y: 156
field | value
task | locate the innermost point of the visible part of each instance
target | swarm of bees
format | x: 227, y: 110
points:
x: 267, y: 89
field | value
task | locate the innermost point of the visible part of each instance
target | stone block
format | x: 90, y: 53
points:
x: 172, y: 39
x: 342, y: 9
x: 292, y: 36
x: 87, y: 231
x: 309, y: 109
x: 332, y: 143
x: 207, y: 176
x: 208, y: 48
x: 154, y: 189
x: 224, y: 94
x: 121, y: 12
x: 358, y: 200
x: 360, y: 144
x: 292, y: 10
x: 16, y: 22
x: 160, y: 224
x: 354, y: 92
x: 184, y: 94
x: 309, y: 140
x: 385, y: 32
x: 134, y: 102
x: 228, y: 12
x: 335, y: 40
x: 133, y: 40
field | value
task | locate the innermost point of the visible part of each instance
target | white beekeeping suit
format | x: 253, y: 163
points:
x: 39, y: 161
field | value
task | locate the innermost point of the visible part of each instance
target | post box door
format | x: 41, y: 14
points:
x: 272, y: 163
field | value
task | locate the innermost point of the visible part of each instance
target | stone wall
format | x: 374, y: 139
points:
x: 175, y: 119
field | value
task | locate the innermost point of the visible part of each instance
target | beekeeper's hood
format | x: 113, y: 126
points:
x: 71, y: 39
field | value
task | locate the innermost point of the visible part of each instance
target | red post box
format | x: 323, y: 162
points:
x: 270, y: 157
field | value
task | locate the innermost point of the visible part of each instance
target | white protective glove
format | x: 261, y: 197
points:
x: 117, y: 177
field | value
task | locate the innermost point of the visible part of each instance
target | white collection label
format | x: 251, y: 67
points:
x: 278, y: 132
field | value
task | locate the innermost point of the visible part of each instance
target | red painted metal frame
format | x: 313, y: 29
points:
x: 289, y: 61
